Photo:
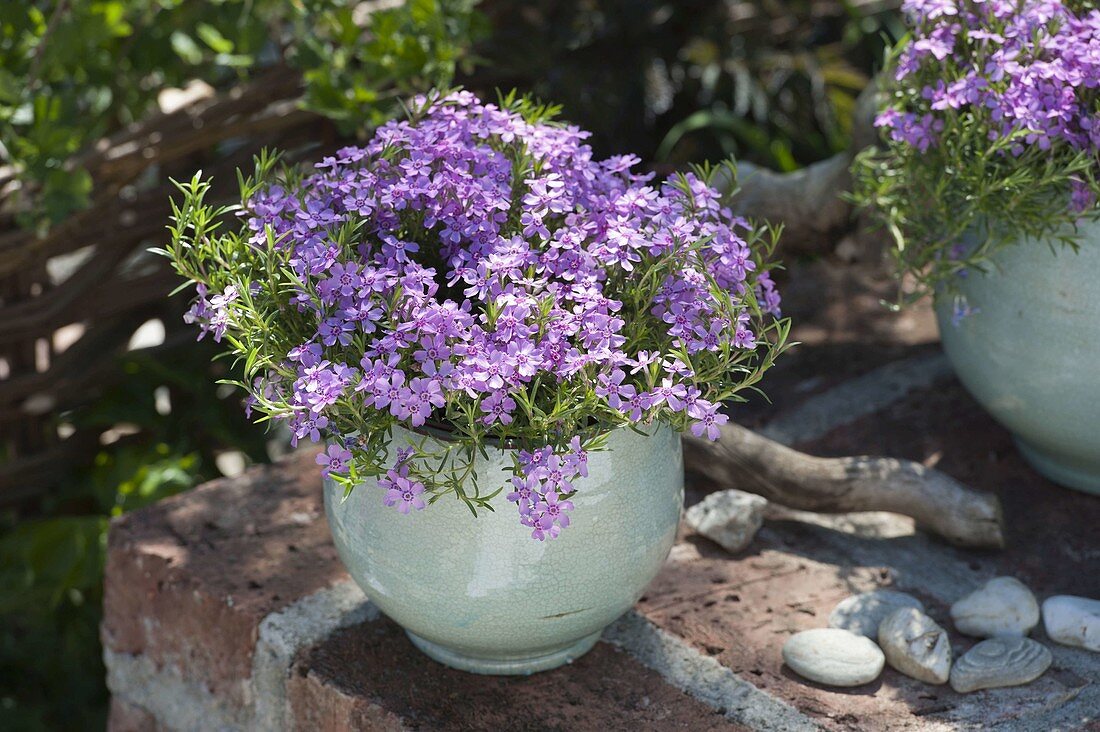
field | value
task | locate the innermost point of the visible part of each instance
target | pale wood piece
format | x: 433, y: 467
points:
x: 745, y: 460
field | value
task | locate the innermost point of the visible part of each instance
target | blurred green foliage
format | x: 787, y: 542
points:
x: 51, y: 565
x: 72, y: 71
x: 770, y: 81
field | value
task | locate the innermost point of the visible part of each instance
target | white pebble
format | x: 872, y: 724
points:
x: 833, y: 657
x: 1073, y: 621
x: 1001, y: 608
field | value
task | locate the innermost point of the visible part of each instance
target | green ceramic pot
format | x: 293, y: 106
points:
x: 479, y: 594
x: 1031, y: 353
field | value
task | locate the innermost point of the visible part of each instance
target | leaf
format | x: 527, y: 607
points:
x: 186, y: 48
x: 213, y: 38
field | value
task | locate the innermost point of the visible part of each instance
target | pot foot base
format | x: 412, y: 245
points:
x: 1081, y: 475
x: 505, y: 665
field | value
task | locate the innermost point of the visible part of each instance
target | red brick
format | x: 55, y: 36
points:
x: 189, y: 579
x: 346, y: 682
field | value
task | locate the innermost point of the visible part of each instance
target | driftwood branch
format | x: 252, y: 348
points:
x: 747, y: 461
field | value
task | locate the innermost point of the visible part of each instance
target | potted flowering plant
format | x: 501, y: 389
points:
x: 480, y: 318
x: 988, y: 181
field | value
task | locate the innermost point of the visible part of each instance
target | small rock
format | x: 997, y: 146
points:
x: 1001, y: 608
x: 833, y: 657
x: 730, y: 518
x: 1073, y: 621
x: 863, y: 613
x: 1000, y: 662
x: 915, y: 645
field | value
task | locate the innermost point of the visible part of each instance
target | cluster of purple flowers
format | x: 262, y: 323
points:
x: 468, y: 257
x: 1030, y: 69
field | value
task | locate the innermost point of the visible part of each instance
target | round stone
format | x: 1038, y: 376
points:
x: 915, y: 645
x: 1073, y: 621
x: 1001, y: 608
x: 1000, y: 662
x: 862, y: 613
x: 833, y: 657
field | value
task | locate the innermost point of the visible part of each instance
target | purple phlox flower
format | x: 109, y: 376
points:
x: 307, y: 424
x: 670, y: 393
x: 213, y: 315
x: 433, y: 348
x: 707, y: 418
x: 549, y: 516
x: 422, y: 396
x: 336, y: 330
x: 307, y: 354
x: 1081, y: 197
x: 402, y: 492
x: 631, y: 401
x: 524, y: 493
x: 388, y: 389
x: 619, y: 396
x: 498, y: 407
x: 643, y: 360
x: 360, y: 201
x: 742, y: 336
x: 334, y: 460
x: 707, y: 339
x: 343, y: 280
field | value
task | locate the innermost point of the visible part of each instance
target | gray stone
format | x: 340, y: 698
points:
x: 1073, y: 621
x: 833, y: 657
x: 1001, y: 608
x: 730, y: 518
x: 862, y: 613
x: 1000, y: 662
x: 915, y: 645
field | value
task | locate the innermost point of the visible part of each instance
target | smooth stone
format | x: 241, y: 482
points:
x: 1001, y: 608
x: 915, y: 645
x: 833, y: 657
x: 729, y: 518
x: 1073, y: 621
x: 1000, y: 662
x: 863, y: 613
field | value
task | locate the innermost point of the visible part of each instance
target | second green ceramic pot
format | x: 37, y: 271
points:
x: 1030, y: 352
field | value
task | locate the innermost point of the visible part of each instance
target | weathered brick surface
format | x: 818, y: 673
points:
x: 316, y: 703
x: 741, y: 609
x: 126, y: 717
x: 189, y: 580
x: 355, y: 673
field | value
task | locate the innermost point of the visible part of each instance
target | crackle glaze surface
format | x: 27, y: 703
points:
x: 481, y: 594
x: 1031, y: 355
